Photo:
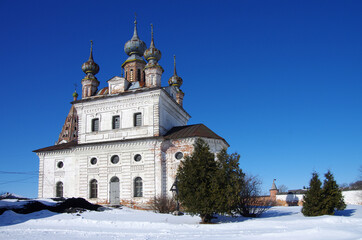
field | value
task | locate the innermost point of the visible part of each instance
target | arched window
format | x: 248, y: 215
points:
x: 138, y: 187
x: 59, y: 189
x: 93, y: 189
x: 114, y: 179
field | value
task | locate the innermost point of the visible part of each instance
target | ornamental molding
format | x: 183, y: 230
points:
x: 128, y: 101
x: 101, y: 108
x: 114, y: 169
x: 59, y: 174
x: 137, y: 168
x: 93, y: 170
x: 101, y: 146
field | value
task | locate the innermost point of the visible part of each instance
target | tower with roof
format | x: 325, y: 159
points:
x: 123, y: 142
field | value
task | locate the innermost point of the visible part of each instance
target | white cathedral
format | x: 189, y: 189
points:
x: 123, y: 143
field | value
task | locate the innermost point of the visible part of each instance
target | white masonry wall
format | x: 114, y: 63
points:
x: 159, y: 114
x: 77, y: 171
x: 169, y: 150
x: 350, y: 197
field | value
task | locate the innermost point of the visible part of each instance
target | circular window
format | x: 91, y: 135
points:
x: 137, y: 157
x: 93, y: 161
x: 179, y: 155
x: 115, y: 159
x: 60, y: 164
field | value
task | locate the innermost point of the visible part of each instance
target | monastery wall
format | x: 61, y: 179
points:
x: 350, y: 197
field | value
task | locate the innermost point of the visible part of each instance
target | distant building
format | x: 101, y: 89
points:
x: 123, y: 143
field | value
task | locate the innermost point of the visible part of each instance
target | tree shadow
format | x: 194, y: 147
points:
x: 228, y: 219
x: 11, y: 218
x: 345, y: 213
x: 276, y: 213
x: 267, y: 214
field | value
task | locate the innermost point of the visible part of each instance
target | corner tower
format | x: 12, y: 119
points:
x: 134, y: 65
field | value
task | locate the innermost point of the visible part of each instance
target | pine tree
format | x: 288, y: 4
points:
x: 196, y: 179
x: 313, y: 198
x: 332, y: 196
x: 230, y: 181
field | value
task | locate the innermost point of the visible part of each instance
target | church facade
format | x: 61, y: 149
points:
x: 123, y: 143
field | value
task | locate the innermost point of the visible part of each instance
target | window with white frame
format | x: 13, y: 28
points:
x: 95, y: 125
x: 115, y: 122
x: 59, y: 189
x: 93, y: 189
x: 138, y: 187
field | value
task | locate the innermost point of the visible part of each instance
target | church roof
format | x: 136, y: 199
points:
x: 62, y: 146
x: 197, y: 130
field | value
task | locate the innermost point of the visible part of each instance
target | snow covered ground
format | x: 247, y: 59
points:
x: 278, y: 223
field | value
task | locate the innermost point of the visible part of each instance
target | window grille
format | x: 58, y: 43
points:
x: 137, y: 119
x: 115, y: 122
x: 95, y: 125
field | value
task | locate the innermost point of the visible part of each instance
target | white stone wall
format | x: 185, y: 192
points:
x: 171, y: 147
x: 123, y: 106
x: 289, y: 197
x: 77, y: 171
x: 50, y: 174
x: 159, y: 113
x: 157, y: 168
x: 350, y: 197
x: 171, y: 114
x: 353, y: 197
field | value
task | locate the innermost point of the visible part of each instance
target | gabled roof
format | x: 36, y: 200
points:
x: 197, y: 130
x: 62, y: 146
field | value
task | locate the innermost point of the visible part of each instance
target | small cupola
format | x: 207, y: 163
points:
x: 153, y: 70
x: 175, y: 80
x: 90, y: 83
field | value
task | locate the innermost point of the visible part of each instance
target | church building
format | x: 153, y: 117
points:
x: 123, y: 143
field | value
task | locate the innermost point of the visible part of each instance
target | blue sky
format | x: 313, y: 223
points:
x: 281, y: 81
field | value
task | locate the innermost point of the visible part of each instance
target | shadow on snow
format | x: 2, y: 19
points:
x: 345, y: 213
x: 268, y: 214
x: 11, y: 218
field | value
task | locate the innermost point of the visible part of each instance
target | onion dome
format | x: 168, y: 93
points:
x: 75, y: 94
x: 152, y: 54
x: 135, y: 45
x: 175, y: 80
x: 90, y: 67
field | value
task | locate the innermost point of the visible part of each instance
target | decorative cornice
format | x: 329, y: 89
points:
x: 102, y: 97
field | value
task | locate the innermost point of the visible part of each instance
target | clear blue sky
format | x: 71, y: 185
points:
x: 281, y: 81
